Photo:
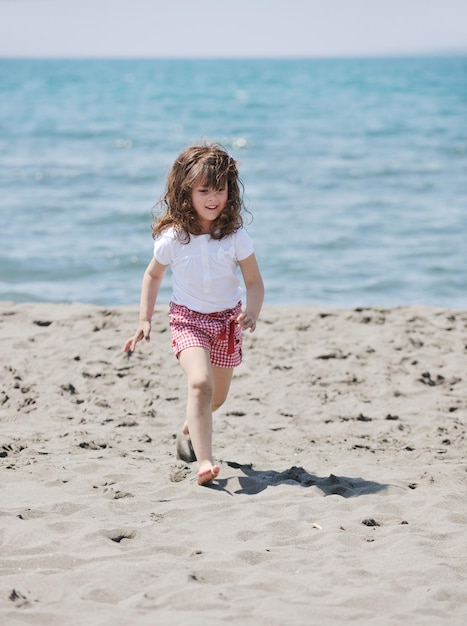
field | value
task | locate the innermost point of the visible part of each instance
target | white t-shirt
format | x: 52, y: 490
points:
x: 204, y: 271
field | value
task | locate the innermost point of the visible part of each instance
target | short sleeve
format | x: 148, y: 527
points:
x: 243, y: 244
x: 164, y: 249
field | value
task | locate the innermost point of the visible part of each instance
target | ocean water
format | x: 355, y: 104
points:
x: 355, y: 171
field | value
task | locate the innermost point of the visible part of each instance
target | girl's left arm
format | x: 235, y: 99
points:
x: 254, y: 293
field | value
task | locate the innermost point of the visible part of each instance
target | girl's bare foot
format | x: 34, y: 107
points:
x: 185, y: 450
x: 207, y: 474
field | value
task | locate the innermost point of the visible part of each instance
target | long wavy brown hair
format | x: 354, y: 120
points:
x: 208, y: 166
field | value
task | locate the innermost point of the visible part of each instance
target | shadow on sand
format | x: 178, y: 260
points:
x: 254, y: 481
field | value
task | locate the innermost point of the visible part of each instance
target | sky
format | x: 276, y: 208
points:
x: 231, y: 28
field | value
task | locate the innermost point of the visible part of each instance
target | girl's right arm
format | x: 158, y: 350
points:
x: 152, y: 280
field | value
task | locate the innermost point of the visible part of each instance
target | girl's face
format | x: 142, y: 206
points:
x: 208, y: 204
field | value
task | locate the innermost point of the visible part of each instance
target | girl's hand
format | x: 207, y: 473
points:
x: 246, y: 321
x: 143, y: 332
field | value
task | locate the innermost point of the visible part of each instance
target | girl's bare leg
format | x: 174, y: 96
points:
x: 196, y: 364
x: 221, y: 377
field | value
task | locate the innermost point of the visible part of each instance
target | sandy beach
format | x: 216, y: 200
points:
x: 342, y: 492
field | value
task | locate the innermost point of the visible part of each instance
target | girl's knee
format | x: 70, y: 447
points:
x: 217, y: 402
x: 202, y: 386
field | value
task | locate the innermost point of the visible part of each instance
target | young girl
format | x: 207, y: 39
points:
x: 201, y: 236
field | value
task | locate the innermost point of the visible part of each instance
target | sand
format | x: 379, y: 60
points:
x: 342, y: 492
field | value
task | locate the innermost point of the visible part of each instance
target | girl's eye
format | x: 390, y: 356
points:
x: 205, y: 190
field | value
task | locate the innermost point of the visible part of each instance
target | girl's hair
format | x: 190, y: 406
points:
x: 210, y: 166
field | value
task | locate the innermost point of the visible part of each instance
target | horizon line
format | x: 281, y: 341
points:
x: 283, y: 57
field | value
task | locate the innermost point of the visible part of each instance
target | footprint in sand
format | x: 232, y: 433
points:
x: 18, y: 598
x: 179, y: 473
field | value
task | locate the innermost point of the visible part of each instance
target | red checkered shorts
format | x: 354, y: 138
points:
x: 216, y: 332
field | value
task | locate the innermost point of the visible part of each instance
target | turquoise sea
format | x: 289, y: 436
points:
x: 355, y: 171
